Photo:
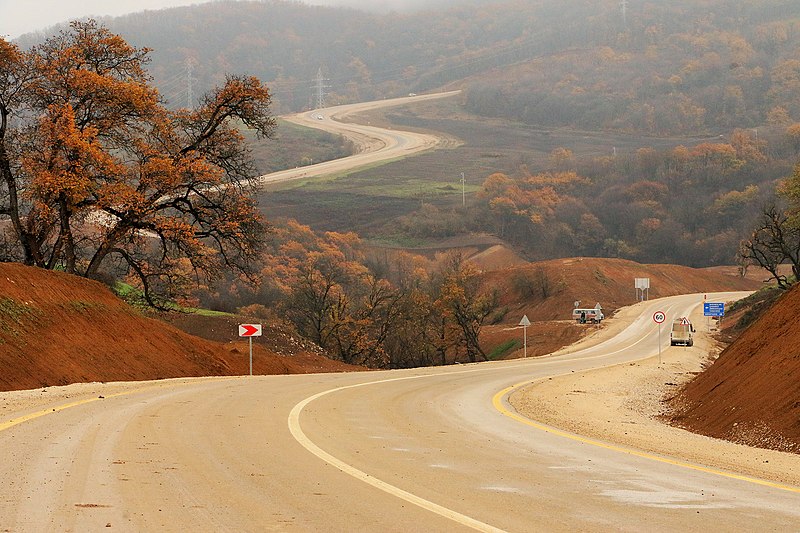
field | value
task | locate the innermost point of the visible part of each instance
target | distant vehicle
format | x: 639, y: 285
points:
x: 318, y: 117
x: 681, y: 332
x: 594, y: 315
x: 412, y: 94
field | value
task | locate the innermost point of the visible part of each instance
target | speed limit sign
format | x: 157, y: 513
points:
x: 659, y: 317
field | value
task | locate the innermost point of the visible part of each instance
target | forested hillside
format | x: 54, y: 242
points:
x: 682, y: 66
x: 722, y: 71
x: 660, y: 67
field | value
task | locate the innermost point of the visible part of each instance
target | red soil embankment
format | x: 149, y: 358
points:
x: 751, y: 392
x: 57, y: 329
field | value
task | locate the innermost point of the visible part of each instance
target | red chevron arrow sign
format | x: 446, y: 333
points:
x: 249, y: 330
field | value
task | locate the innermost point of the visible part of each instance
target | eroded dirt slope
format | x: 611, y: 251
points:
x: 751, y: 393
x: 57, y: 329
x: 547, y: 290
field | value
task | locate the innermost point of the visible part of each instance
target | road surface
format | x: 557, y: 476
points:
x: 372, y: 144
x: 435, y: 449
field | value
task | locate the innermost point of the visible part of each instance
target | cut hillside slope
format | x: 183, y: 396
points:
x: 751, y: 393
x: 547, y: 290
x: 57, y: 329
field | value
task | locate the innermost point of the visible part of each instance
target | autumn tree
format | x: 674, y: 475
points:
x: 793, y: 134
x: 462, y: 301
x: 96, y: 172
x: 328, y: 293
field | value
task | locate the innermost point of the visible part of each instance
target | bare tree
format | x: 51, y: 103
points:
x: 775, y: 241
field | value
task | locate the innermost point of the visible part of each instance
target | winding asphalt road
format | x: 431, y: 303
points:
x: 372, y: 144
x: 434, y: 449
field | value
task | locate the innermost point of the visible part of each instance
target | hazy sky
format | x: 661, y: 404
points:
x: 23, y: 16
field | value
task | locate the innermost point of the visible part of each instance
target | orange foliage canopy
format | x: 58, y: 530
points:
x: 97, y: 175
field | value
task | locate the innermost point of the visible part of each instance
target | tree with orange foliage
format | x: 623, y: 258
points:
x: 464, y: 307
x: 328, y: 293
x: 95, y: 172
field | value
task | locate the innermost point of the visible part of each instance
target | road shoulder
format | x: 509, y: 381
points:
x: 623, y: 404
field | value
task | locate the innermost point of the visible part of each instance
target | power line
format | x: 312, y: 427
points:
x: 190, y: 63
x: 623, y: 5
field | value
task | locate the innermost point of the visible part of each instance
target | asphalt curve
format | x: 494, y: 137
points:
x: 416, y: 450
x: 372, y: 144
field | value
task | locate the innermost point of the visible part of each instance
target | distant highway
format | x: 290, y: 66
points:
x: 373, y: 144
x: 430, y: 449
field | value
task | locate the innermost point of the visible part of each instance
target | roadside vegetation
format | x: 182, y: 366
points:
x: 101, y: 179
x: 97, y: 177
x: 413, y: 312
x: 561, y: 194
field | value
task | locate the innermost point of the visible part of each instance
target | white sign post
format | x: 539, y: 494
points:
x: 525, y: 323
x: 659, y: 317
x: 250, y: 331
x: 642, y: 286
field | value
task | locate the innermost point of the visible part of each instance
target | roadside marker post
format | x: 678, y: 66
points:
x: 250, y: 331
x: 525, y: 323
x: 659, y: 317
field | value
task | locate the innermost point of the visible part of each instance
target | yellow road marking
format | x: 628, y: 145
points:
x: 497, y: 401
x: 50, y: 410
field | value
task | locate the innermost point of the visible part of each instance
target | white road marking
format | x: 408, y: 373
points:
x: 302, y: 438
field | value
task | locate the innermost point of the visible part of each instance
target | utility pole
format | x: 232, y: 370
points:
x: 463, y: 191
x: 320, y: 88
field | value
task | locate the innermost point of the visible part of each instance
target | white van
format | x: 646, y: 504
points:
x: 582, y: 316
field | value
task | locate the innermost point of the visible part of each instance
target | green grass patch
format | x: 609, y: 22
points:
x: 200, y: 311
x: 135, y: 297
x: 13, y: 314
x: 502, y: 349
x: 81, y: 306
x: 754, y: 305
x: 15, y: 311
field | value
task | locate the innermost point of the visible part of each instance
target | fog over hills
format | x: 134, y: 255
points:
x: 383, y: 6
x: 660, y: 67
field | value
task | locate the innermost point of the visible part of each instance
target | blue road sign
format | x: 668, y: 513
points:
x: 713, y: 309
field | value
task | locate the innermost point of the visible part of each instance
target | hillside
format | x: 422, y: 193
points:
x: 750, y: 393
x: 57, y: 329
x: 680, y: 66
x: 547, y: 290
x: 546, y: 293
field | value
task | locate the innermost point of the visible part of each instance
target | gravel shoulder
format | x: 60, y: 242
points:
x: 623, y: 405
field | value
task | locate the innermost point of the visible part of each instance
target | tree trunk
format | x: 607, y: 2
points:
x: 66, y: 235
